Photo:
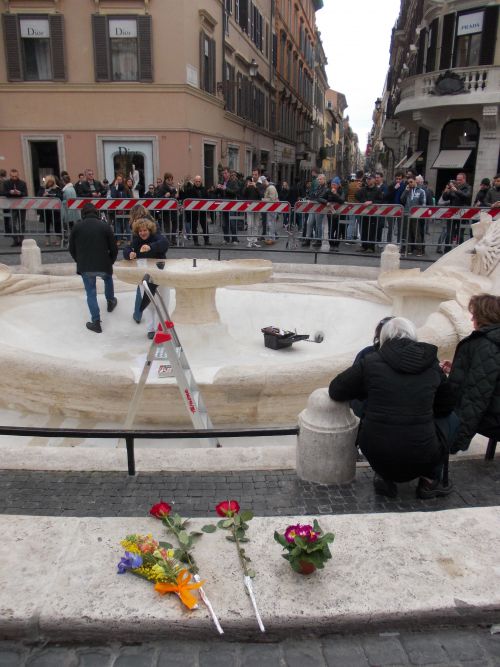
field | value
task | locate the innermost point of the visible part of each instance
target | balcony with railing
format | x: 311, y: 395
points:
x: 473, y: 85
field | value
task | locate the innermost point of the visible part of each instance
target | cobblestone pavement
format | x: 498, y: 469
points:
x: 467, y: 647
x: 476, y: 484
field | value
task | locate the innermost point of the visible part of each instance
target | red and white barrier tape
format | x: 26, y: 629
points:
x: 164, y: 204
x: 236, y: 206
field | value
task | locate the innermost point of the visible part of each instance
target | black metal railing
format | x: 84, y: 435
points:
x: 129, y: 435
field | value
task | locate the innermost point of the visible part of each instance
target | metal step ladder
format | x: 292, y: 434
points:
x: 166, y: 343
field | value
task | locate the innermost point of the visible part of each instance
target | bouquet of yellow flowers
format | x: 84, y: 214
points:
x: 149, y: 559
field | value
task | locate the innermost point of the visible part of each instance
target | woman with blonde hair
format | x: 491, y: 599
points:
x: 146, y: 243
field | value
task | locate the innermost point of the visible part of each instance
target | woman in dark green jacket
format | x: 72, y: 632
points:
x: 475, y: 374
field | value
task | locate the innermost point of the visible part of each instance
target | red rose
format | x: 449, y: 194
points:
x: 227, y: 508
x: 160, y: 510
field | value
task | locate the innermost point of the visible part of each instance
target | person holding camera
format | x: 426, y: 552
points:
x: 457, y: 193
x: 412, y: 196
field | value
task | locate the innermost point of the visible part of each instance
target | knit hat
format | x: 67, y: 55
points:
x: 486, y: 181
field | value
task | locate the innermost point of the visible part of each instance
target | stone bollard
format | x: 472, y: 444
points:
x: 31, y: 257
x: 326, y: 452
x: 390, y: 259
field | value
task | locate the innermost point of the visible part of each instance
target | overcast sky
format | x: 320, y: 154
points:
x: 356, y: 37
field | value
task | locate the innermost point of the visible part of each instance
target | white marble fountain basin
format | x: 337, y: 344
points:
x: 53, y: 364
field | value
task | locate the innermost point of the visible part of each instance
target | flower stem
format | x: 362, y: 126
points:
x: 192, y: 567
x: 238, y: 548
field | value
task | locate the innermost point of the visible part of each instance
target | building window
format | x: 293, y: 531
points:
x: 35, y: 38
x: 229, y: 87
x: 233, y: 158
x: 34, y: 47
x: 468, y: 39
x: 122, y: 48
x: 207, y: 63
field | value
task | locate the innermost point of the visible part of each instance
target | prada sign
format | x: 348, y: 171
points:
x: 468, y: 24
x: 123, y: 28
x: 34, y: 28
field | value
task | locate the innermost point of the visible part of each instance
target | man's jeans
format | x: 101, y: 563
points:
x: 89, y: 282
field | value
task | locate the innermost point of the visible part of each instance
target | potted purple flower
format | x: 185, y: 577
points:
x: 307, y: 546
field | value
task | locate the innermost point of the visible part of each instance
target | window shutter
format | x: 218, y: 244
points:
x: 12, y: 41
x: 145, y: 50
x: 275, y: 50
x: 101, y: 48
x: 211, y: 66
x: 430, y: 64
x: 447, y: 41
x: 488, y: 41
x: 244, y: 15
x: 421, y: 52
x: 57, y: 47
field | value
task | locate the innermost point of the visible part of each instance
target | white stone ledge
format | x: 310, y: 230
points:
x: 58, y: 579
x: 207, y: 459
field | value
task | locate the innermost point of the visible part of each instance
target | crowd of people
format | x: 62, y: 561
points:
x: 370, y: 232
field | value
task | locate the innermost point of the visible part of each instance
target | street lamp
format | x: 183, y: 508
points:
x: 253, y: 68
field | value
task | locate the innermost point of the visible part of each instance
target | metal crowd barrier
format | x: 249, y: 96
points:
x: 254, y: 220
x: 371, y: 225
x: 440, y: 227
x: 224, y: 222
x: 45, y: 217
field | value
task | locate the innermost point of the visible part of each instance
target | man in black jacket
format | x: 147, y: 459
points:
x: 15, y: 188
x: 369, y: 194
x: 456, y: 193
x: 91, y: 187
x: 196, y: 190
x: 92, y: 245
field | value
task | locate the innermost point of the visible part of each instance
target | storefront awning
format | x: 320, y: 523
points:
x: 411, y: 160
x: 451, y: 159
x: 400, y: 162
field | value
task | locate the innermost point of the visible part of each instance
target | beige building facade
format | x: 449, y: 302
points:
x: 439, y: 112
x: 104, y: 84
x: 166, y: 86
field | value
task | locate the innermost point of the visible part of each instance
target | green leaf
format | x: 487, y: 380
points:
x: 194, y: 533
x: 209, y: 528
x: 252, y: 573
x: 246, y: 515
x: 244, y: 539
x: 184, y: 538
x: 227, y: 523
x: 220, y: 524
x: 240, y: 532
x: 280, y: 539
x: 230, y: 538
x: 165, y: 545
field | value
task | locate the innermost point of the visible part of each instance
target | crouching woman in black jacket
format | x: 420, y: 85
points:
x: 404, y: 390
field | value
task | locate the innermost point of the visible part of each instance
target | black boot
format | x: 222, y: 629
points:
x: 94, y: 326
x: 112, y: 303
